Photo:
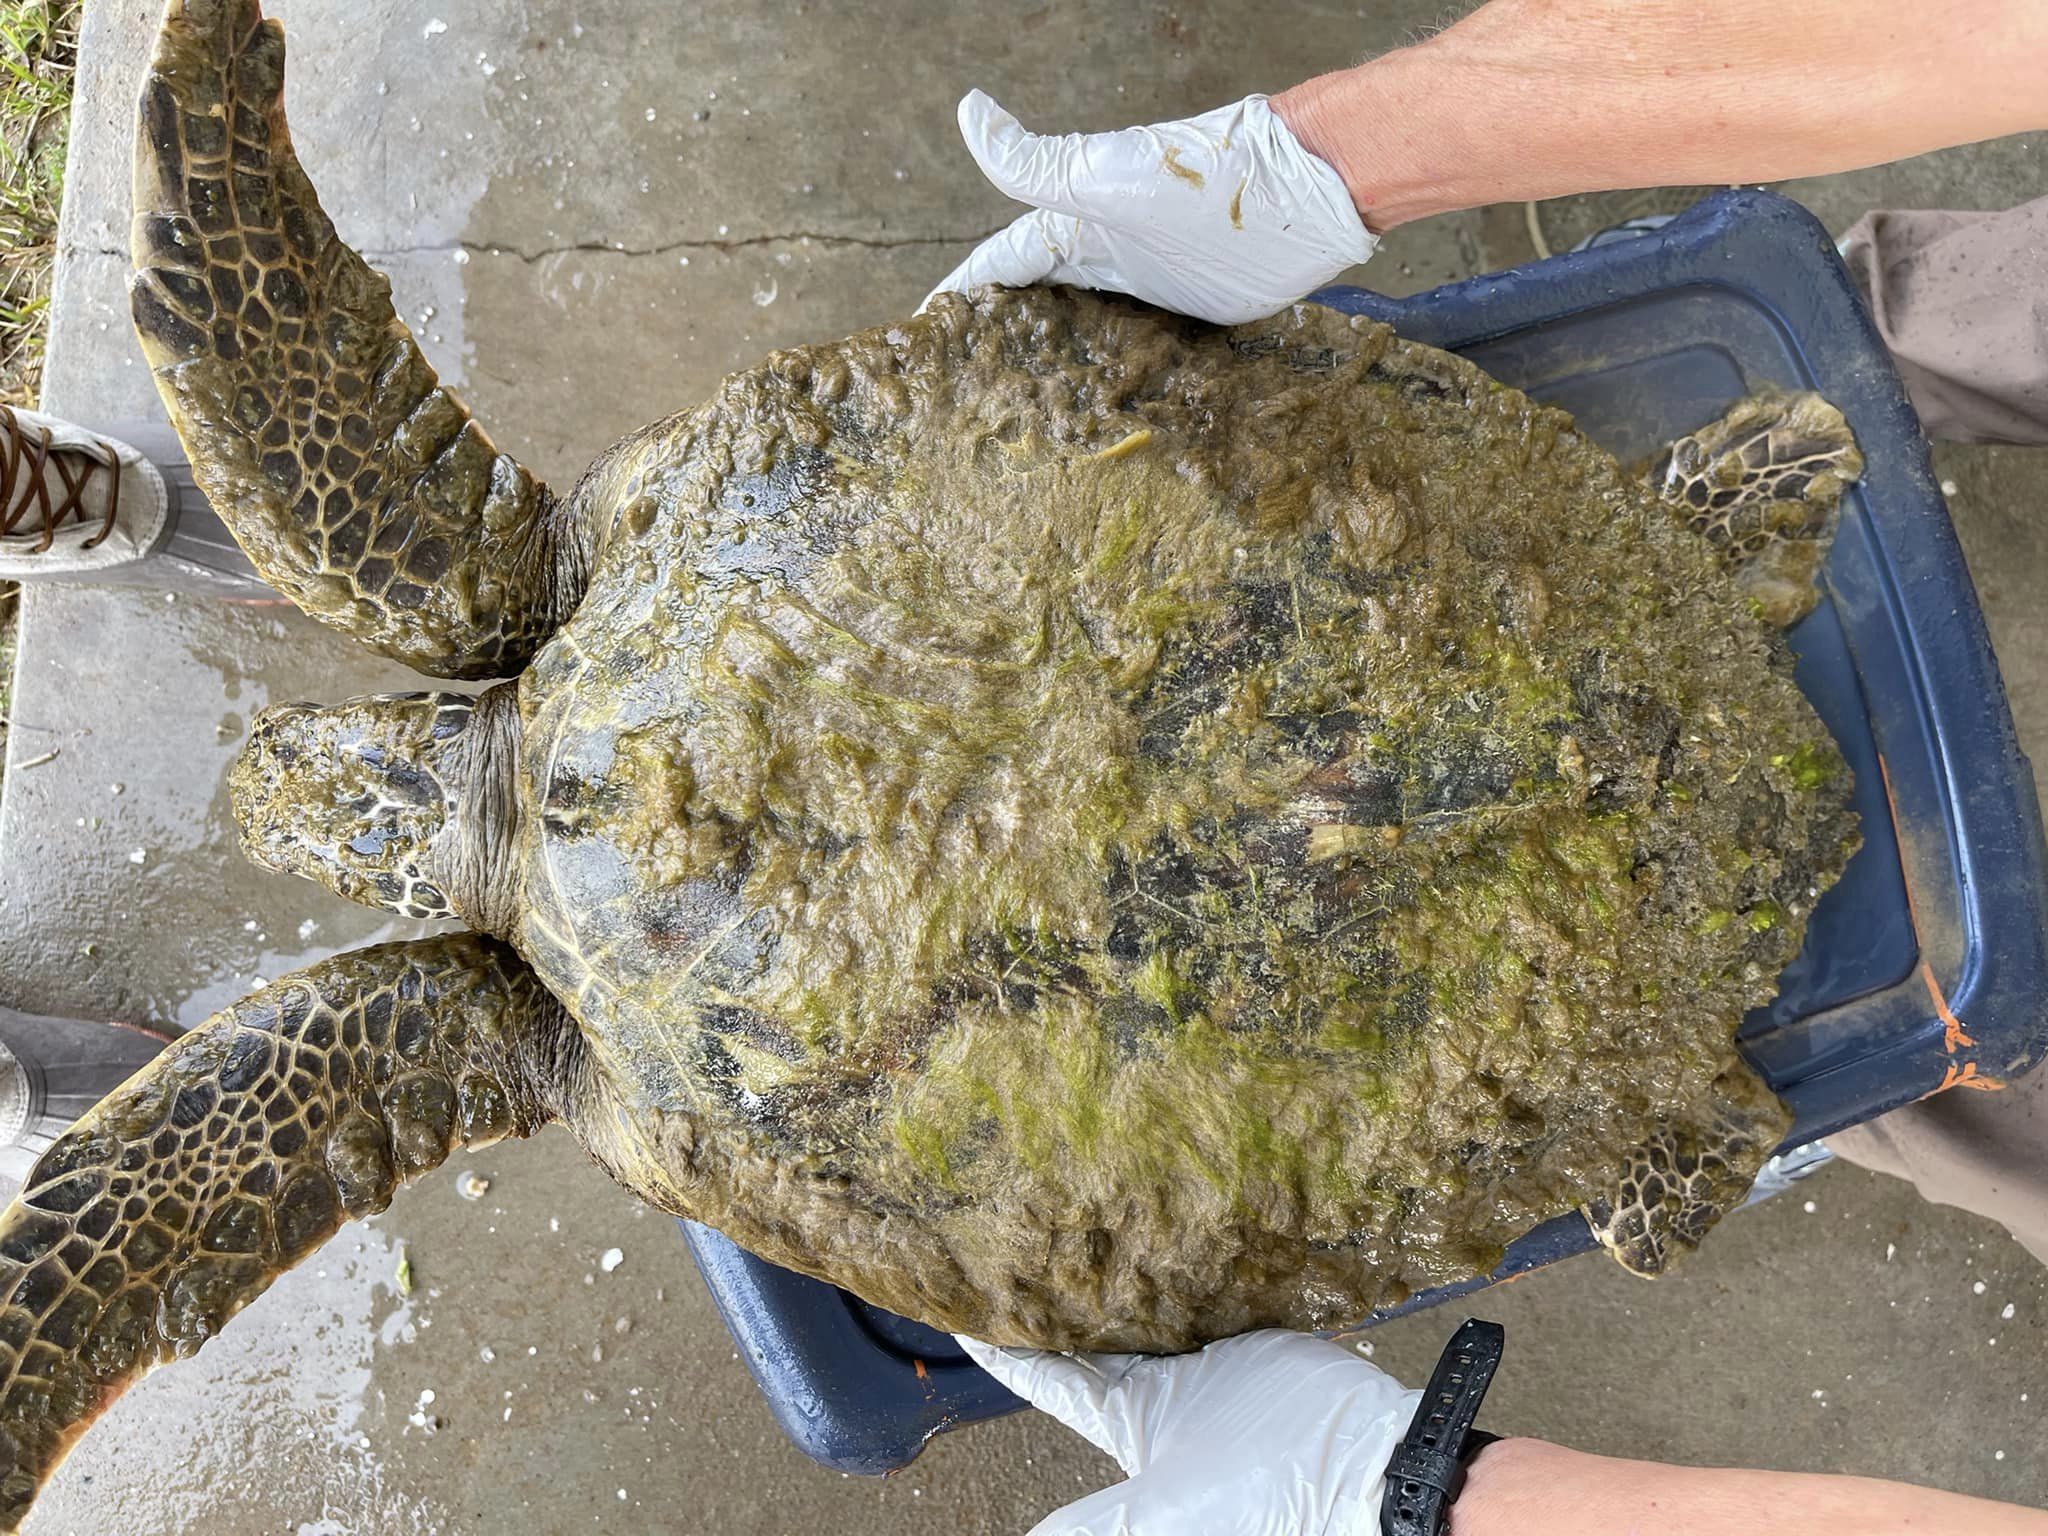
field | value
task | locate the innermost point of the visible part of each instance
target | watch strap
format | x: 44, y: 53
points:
x: 1428, y: 1466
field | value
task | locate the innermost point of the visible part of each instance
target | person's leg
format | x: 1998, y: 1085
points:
x: 84, y: 504
x: 74, y: 502
x: 1961, y: 300
x: 1982, y: 1152
x: 51, y: 1072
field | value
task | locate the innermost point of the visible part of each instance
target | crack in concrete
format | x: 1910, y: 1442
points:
x: 668, y: 248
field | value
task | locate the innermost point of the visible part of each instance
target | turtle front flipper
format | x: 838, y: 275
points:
x: 360, y: 487
x: 187, y: 1190
x: 1690, y: 1174
x: 1762, y: 483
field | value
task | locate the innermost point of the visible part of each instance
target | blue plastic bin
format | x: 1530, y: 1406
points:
x: 1926, y: 966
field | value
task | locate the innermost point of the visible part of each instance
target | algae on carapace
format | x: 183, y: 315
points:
x: 1054, y: 768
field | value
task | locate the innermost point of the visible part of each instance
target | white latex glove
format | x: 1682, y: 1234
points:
x: 1223, y: 216
x: 1266, y: 1434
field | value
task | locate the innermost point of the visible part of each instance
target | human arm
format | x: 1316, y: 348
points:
x: 1266, y: 1434
x: 1286, y: 1434
x: 1528, y: 99
x: 1533, y: 1488
x: 1236, y: 213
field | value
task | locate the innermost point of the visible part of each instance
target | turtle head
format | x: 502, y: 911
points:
x: 401, y: 801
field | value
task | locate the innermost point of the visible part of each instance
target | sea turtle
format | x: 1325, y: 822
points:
x: 1083, y: 827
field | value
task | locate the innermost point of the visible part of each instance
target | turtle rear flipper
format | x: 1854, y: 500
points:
x: 1762, y: 483
x: 1694, y: 1171
x: 359, y: 486
x: 235, y: 1153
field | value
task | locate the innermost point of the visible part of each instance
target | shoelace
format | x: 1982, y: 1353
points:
x: 26, y: 456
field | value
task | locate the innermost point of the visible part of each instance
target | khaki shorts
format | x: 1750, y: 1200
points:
x: 1961, y: 300
x: 1983, y: 1152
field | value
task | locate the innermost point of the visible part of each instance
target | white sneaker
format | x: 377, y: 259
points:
x: 51, y: 1072
x: 73, y: 502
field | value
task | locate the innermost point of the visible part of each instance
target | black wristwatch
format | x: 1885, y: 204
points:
x: 1428, y: 1467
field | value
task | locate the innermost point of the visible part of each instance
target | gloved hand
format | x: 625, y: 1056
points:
x: 1223, y: 216
x: 1266, y: 1434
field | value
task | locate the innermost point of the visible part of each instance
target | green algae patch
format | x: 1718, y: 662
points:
x: 1197, y: 1101
x: 1810, y: 765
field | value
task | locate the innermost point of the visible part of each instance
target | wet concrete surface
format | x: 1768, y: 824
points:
x: 589, y: 214
x: 1852, y: 1337
x: 146, y: 701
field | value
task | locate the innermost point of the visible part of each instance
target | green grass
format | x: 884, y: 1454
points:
x: 38, y: 51
x: 10, y: 600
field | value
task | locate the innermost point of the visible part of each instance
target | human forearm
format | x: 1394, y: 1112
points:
x: 1539, y: 98
x: 1530, y: 1488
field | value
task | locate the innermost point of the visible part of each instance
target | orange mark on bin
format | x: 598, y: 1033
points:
x: 1952, y: 1032
x: 1966, y: 1076
x: 1954, y: 1036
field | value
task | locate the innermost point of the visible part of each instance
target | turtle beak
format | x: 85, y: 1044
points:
x: 259, y: 785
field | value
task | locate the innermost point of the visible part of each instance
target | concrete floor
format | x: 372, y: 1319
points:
x: 590, y: 214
